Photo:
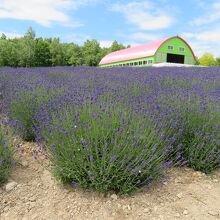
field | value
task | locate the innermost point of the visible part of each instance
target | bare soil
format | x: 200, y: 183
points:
x: 185, y: 195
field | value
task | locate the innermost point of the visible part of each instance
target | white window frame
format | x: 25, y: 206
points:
x: 170, y: 47
x: 182, y: 48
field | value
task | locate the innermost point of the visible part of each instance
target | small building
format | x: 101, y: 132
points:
x: 170, y: 50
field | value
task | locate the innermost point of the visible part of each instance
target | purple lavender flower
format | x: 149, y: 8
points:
x: 74, y: 184
x: 113, y: 158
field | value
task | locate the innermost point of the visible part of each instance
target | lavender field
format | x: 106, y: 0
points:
x: 116, y: 128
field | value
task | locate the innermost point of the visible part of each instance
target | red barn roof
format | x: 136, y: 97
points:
x: 132, y: 53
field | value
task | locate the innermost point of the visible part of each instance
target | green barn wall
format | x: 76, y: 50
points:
x: 161, y: 54
x: 129, y: 61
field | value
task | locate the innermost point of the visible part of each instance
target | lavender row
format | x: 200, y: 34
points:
x: 116, y: 129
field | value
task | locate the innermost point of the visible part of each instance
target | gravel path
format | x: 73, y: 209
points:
x: 33, y: 194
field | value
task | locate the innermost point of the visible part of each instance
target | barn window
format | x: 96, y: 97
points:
x: 181, y: 49
x: 135, y: 63
x: 150, y: 61
x: 170, y: 47
x: 140, y: 62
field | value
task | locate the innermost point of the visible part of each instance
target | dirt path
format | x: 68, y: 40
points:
x: 36, y: 195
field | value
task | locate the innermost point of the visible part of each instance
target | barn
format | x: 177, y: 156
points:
x: 170, y: 50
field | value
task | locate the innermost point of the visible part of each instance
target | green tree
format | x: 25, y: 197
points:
x: 30, y: 33
x: 3, y: 37
x: 57, y: 55
x: 3, y: 52
x: 197, y: 61
x: 28, y: 51
x: 42, y: 53
x: 217, y: 61
x: 207, y: 60
x: 104, y: 52
x: 73, y: 54
x: 26, y: 47
x: 8, y: 52
x: 116, y: 46
x: 92, y: 53
x: 13, y: 53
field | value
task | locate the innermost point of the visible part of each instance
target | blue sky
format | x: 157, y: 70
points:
x: 129, y: 22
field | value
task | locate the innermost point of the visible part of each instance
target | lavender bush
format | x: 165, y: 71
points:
x: 23, y: 108
x: 117, y: 128
x: 102, y: 147
x: 199, y: 137
x: 6, y: 156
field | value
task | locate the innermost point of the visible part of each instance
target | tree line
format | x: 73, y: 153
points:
x: 29, y: 51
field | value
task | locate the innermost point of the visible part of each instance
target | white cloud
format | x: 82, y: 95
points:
x: 144, y: 15
x: 205, y: 41
x: 105, y: 43
x: 75, y: 38
x: 44, y: 12
x: 201, y: 3
x: 108, y: 43
x: 211, y: 36
x: 211, y: 15
x: 140, y: 36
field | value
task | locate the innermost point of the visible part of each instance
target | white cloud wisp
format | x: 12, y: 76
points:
x: 205, y: 41
x: 211, y: 15
x: 144, y: 15
x: 44, y: 12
